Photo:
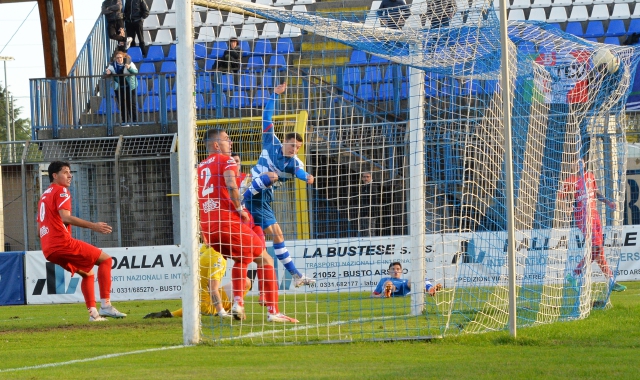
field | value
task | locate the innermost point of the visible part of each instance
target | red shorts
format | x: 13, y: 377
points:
x: 233, y: 240
x: 77, y: 255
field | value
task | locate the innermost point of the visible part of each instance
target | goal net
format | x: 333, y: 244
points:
x: 401, y: 114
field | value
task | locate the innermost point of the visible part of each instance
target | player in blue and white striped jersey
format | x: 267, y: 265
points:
x: 278, y: 162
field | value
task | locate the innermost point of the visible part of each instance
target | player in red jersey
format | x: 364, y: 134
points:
x: 54, y: 224
x: 225, y: 225
x: 584, y: 189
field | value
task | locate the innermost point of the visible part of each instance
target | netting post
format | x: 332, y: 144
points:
x: 417, y: 189
x: 187, y: 168
x: 508, y: 164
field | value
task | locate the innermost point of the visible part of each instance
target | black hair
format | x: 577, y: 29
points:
x: 212, y: 134
x: 55, y: 167
x: 293, y: 135
x: 234, y: 154
x: 394, y: 264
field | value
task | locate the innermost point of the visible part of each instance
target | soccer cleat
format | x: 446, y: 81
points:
x: 571, y: 280
x: 111, y: 311
x: 303, y: 280
x: 618, y: 287
x: 97, y: 318
x: 280, y: 318
x: 223, y: 314
x: 128, y: 43
x: 238, y: 312
x: 161, y: 314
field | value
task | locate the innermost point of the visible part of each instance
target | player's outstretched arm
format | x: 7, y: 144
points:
x: 100, y: 227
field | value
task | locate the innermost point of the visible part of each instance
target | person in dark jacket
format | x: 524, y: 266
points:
x: 368, y: 204
x: 230, y: 61
x: 394, y: 17
x: 112, y: 10
x: 135, y: 11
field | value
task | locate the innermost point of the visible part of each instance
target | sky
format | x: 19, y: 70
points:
x: 26, y: 45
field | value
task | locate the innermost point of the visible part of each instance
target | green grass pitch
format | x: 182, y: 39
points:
x: 58, y: 342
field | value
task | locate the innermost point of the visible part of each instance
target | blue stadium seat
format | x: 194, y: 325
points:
x: 612, y: 41
x: 213, y: 103
x: 554, y: 25
x: 200, y: 103
x: 255, y: 63
x: 575, y: 28
x: 260, y: 98
x: 227, y: 82
x: 527, y: 47
x: 372, y: 74
x: 348, y: 92
x: 431, y: 85
x: 168, y: 67
x: 390, y: 71
x: 278, y: 61
x: 595, y: 29
x: 450, y: 86
x: 365, y: 92
x: 247, y: 82
x: 135, y: 53
x: 385, y: 92
x: 491, y: 86
x: 404, y: 90
x: 239, y: 99
x: 172, y: 103
x: 616, y: 29
x: 471, y: 87
x: 200, y: 51
x: 151, y: 104
x: 102, y: 110
x: 142, y: 88
x: 154, y: 54
x: 267, y: 81
x: 285, y: 46
x: 147, y: 68
x: 171, y: 85
x: 218, y: 49
x: 358, y: 58
x: 634, y: 26
x: 245, y: 48
x: 171, y: 56
x: 375, y: 60
x: 209, y: 64
x: 351, y: 75
x: 262, y: 47
x: 203, y: 83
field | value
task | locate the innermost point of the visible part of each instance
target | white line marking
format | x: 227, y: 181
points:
x: 306, y: 327
x: 109, y: 356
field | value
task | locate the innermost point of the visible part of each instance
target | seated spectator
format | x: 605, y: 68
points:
x: 395, y: 16
x: 230, y: 61
x: 396, y: 286
x: 112, y: 10
x: 124, y: 84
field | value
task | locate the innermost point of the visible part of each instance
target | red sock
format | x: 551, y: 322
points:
x: 104, y: 279
x: 89, y: 290
x: 269, y: 286
x: 238, y: 281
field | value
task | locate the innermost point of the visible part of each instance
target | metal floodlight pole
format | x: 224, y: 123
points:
x: 6, y: 95
x: 508, y: 165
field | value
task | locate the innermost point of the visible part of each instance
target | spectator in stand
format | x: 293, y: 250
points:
x: 135, y: 11
x: 112, y: 10
x: 393, y: 13
x: 230, y: 61
x: 125, y: 83
x: 368, y: 205
x: 439, y: 13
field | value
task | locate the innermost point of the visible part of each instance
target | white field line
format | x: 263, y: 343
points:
x: 251, y: 335
x: 101, y: 357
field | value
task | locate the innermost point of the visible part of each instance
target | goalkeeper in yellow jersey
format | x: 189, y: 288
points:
x: 214, y: 299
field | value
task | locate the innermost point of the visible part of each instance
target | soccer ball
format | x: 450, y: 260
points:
x: 604, y: 57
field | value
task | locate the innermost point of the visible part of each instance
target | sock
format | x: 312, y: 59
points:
x: 177, y: 313
x: 238, y: 281
x: 269, y: 286
x: 257, y: 185
x: 93, y: 312
x: 104, y: 281
x: 89, y: 291
x: 283, y: 255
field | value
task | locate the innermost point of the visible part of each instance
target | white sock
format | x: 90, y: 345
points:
x: 105, y: 303
x: 93, y: 312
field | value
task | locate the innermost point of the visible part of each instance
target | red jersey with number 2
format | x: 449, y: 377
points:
x: 213, y: 195
x: 53, y: 232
